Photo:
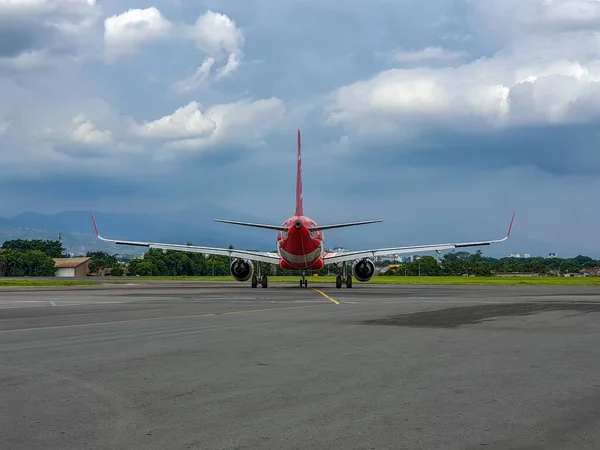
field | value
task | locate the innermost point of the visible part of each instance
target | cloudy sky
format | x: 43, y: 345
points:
x: 441, y: 117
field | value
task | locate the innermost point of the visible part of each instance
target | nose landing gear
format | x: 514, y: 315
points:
x: 303, y: 281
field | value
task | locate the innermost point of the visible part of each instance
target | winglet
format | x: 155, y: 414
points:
x: 511, y: 224
x: 95, y: 226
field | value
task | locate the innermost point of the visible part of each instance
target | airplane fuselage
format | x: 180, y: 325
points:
x: 300, y: 247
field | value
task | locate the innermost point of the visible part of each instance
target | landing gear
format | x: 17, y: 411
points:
x: 344, y: 278
x: 303, y: 281
x: 263, y: 278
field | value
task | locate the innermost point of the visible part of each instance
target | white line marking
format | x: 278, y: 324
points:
x: 13, y: 304
x: 22, y: 301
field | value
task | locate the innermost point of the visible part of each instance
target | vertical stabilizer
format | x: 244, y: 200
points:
x: 299, y: 207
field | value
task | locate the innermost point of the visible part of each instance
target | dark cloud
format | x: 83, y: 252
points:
x: 559, y: 150
x: 55, y: 30
x: 19, y: 37
x: 76, y: 187
x: 300, y: 47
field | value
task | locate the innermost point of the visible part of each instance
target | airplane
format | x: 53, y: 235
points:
x: 300, y: 247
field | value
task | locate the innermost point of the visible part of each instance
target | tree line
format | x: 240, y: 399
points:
x: 475, y: 264
x: 35, y: 258
x: 174, y: 263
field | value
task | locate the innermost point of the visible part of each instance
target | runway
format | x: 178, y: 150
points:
x: 180, y: 365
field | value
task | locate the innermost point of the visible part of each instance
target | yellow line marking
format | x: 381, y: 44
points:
x: 326, y: 296
x: 148, y: 319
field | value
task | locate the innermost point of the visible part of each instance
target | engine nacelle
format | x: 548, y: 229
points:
x: 241, y: 269
x: 363, y: 269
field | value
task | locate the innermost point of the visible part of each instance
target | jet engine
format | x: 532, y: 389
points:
x: 241, y: 269
x: 363, y: 269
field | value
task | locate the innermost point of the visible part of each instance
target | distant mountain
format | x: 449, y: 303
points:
x: 74, y: 243
x: 195, y: 226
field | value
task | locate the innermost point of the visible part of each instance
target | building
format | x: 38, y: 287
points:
x: 72, y: 267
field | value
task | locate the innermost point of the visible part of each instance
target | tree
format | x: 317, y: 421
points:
x: 117, y: 271
x: 34, y: 263
x: 142, y: 267
x: 54, y: 249
x: 101, y: 261
x: 426, y: 266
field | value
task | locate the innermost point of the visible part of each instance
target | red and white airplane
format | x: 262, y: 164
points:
x: 300, y: 247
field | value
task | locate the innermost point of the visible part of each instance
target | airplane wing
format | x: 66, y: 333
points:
x: 271, y: 258
x: 337, y: 257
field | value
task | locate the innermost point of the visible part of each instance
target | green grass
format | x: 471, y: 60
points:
x: 30, y: 282
x: 498, y: 281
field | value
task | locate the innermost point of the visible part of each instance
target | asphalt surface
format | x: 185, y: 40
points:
x: 185, y: 365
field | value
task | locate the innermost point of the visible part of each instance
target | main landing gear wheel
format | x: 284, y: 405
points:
x: 263, y: 278
x: 343, y: 278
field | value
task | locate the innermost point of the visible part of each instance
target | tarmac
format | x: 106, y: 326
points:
x: 198, y: 365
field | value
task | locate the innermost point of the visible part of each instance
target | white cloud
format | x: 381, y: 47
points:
x: 535, y: 79
x: 215, y: 34
x: 244, y: 122
x: 125, y: 33
x: 198, y: 80
x: 186, y: 122
x: 233, y: 63
x: 399, y: 98
x: 100, y: 131
x: 85, y: 132
x: 218, y: 36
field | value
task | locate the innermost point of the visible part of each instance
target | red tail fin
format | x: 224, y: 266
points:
x: 299, y: 207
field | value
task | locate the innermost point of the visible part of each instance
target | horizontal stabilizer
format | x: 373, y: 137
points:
x: 255, y: 225
x: 343, y: 225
